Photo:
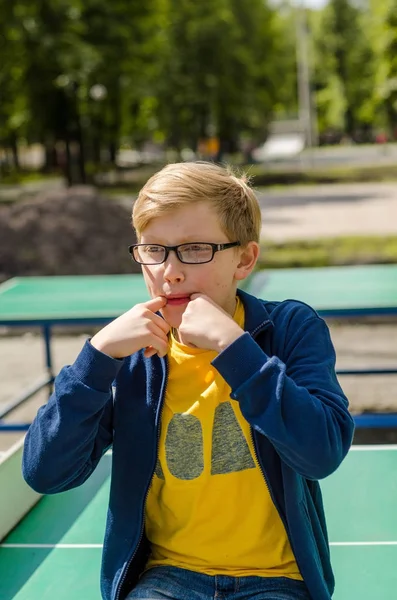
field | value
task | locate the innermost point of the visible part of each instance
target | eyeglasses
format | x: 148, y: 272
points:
x: 192, y: 253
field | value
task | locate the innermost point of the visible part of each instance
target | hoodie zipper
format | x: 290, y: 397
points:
x: 266, y: 480
x: 254, y: 334
x: 264, y: 475
x: 124, y: 575
x: 271, y: 495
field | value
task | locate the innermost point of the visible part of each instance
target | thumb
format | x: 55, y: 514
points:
x: 154, y: 304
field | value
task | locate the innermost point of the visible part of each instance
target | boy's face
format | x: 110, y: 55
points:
x: 216, y: 279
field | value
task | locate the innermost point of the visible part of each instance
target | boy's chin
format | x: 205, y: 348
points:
x: 173, y: 315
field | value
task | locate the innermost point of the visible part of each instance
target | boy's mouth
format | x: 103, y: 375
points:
x: 177, y: 300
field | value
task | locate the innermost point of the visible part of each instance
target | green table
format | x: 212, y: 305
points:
x: 55, y: 551
x: 332, y: 291
x: 69, y: 299
x: 369, y: 290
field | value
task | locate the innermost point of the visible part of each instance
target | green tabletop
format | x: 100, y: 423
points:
x: 330, y: 290
x: 84, y: 297
x: 363, y: 289
x: 55, y: 551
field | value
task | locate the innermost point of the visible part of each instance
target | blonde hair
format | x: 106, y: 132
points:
x: 179, y: 184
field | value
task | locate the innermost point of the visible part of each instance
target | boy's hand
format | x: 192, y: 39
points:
x: 206, y: 325
x: 138, y: 328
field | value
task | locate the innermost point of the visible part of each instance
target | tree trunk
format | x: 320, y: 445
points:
x: 81, y: 153
x: 115, y: 126
x: 68, y: 163
x: 96, y: 146
x: 112, y: 152
x: 349, y: 121
x: 391, y: 115
x: 51, y: 160
x: 14, y: 150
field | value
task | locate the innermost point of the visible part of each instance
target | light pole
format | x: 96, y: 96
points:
x: 307, y: 113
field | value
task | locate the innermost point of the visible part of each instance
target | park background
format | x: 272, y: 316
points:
x: 96, y: 96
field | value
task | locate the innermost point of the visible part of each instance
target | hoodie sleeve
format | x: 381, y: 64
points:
x: 294, y: 399
x: 72, y: 431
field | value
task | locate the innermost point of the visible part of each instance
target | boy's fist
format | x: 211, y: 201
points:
x: 206, y: 325
x: 138, y: 328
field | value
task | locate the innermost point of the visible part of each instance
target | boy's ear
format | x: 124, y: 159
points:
x: 249, y: 254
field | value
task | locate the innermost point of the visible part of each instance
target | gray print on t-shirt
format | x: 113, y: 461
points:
x: 184, y: 446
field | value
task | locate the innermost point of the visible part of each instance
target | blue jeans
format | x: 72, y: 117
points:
x: 173, y: 583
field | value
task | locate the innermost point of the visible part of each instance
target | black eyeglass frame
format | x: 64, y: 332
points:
x: 215, y: 248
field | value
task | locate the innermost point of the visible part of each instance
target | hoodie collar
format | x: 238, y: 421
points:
x: 257, y: 317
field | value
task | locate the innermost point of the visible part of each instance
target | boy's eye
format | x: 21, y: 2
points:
x: 153, y: 249
x: 195, y: 248
x: 196, y: 253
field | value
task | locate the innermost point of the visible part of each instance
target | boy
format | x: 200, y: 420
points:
x: 225, y: 412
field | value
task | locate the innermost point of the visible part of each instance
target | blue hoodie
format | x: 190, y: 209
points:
x: 282, y: 373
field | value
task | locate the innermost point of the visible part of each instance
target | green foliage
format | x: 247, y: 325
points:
x: 263, y: 176
x: 92, y: 74
x: 345, y: 80
x: 390, y: 54
x: 218, y: 72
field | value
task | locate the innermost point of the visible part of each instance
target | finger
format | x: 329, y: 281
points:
x: 155, y: 303
x: 162, y: 323
x: 149, y: 351
x: 159, y: 330
x: 160, y: 345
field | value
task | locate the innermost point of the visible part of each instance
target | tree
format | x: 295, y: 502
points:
x: 390, y: 54
x: 125, y: 35
x: 82, y: 75
x: 347, y: 65
x: 14, y: 111
x: 219, y: 70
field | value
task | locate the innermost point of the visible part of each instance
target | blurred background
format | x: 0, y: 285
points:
x: 86, y: 87
x: 96, y: 96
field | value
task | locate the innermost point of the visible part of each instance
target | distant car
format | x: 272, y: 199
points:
x: 279, y: 146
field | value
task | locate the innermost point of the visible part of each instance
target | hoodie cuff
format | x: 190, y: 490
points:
x: 240, y: 361
x: 96, y: 369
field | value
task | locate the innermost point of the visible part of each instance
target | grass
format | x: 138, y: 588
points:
x: 19, y: 178
x: 347, y: 250
x: 266, y: 177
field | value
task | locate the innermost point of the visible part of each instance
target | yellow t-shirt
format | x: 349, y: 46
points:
x: 208, y: 508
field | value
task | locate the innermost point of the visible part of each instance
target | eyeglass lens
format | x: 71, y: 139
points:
x: 189, y: 253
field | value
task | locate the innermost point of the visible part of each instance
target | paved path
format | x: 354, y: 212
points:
x: 308, y: 212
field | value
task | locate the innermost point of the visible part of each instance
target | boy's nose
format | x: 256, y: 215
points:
x: 173, y: 269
